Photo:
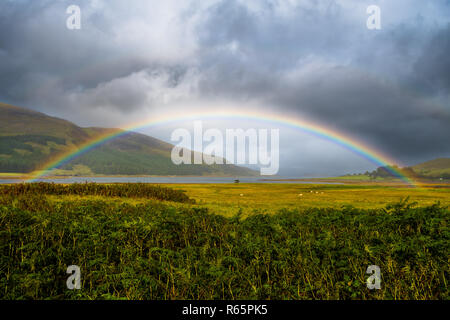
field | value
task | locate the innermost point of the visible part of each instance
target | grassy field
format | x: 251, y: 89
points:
x: 228, y: 199
x: 227, y: 241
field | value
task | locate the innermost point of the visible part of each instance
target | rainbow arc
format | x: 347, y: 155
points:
x: 321, y: 131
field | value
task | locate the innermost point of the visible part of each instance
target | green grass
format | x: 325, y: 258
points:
x: 121, y: 190
x: 228, y: 199
x: 144, y: 248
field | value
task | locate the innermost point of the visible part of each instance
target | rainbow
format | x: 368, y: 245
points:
x: 309, y: 127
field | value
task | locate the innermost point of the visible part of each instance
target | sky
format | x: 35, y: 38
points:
x: 309, y: 59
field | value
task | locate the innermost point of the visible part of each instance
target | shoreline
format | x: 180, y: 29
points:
x: 28, y: 176
x: 329, y: 180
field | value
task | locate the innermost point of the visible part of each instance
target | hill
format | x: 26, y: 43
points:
x: 432, y: 169
x: 437, y: 168
x: 29, y: 139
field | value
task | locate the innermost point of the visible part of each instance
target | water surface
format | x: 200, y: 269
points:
x: 180, y: 180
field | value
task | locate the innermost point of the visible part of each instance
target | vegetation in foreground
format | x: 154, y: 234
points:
x: 122, y: 190
x: 159, y: 250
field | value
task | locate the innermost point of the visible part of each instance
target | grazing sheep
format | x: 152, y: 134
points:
x: 241, y: 194
x: 300, y: 194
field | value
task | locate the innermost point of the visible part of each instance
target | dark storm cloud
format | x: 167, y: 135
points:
x: 376, y: 111
x: 370, y: 86
x: 433, y: 66
x: 316, y: 59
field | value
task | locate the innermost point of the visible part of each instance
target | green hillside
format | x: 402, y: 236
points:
x: 20, y: 121
x: 437, y: 168
x: 28, y: 139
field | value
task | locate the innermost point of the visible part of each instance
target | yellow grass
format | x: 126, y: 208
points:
x: 227, y: 199
x: 13, y: 175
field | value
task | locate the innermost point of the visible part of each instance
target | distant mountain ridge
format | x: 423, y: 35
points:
x: 29, y: 139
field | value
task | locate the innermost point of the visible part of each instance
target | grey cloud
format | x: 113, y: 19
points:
x: 378, y: 112
x: 147, y: 87
x: 272, y: 40
x: 434, y: 64
x: 366, y: 86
